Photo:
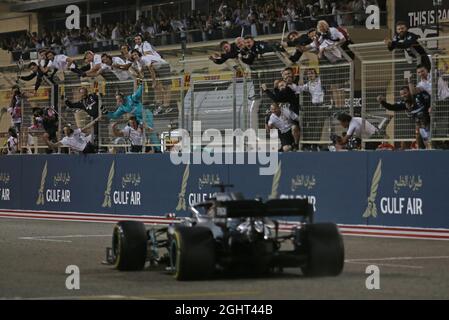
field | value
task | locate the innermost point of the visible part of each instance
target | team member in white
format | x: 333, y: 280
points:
x: 355, y: 128
x: 94, y: 62
x: 13, y: 141
x: 133, y: 131
x: 114, y: 64
x: 58, y: 62
x: 313, y: 86
x: 144, y: 47
x: 76, y: 139
x: 158, y: 68
x: 284, y: 119
x: 328, y: 42
x: 425, y: 80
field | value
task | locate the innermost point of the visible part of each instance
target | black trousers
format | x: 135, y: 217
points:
x: 90, y: 148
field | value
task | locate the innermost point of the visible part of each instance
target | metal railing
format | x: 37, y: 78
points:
x: 230, y: 96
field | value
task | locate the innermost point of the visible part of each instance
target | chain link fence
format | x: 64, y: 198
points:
x: 384, y: 73
x: 28, y: 119
x: 237, y: 96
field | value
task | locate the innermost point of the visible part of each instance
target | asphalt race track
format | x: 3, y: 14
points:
x: 34, y: 255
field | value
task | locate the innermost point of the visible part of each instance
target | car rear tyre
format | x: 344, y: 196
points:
x: 192, y: 253
x: 325, y: 250
x: 129, y: 245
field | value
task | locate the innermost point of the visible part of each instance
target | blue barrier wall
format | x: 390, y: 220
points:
x: 378, y: 188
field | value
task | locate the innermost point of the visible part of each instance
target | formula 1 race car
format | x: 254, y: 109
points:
x: 229, y: 233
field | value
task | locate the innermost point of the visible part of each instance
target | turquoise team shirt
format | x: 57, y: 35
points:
x: 133, y: 104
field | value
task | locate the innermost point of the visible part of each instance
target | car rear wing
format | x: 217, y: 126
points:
x: 271, y: 208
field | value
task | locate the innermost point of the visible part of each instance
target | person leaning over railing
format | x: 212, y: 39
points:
x: 61, y: 62
x: 228, y: 51
x: 255, y: 49
x: 93, y: 64
x: 39, y: 70
x: 133, y: 104
x: 299, y: 41
x: 160, y: 71
x: 116, y: 65
x: 125, y: 55
x: 408, y: 41
x: 417, y: 108
x: 329, y: 39
x: 355, y: 132
x: 76, y: 139
x: 144, y: 47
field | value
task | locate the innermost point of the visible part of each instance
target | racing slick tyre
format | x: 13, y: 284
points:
x: 129, y: 245
x: 192, y: 253
x: 325, y: 250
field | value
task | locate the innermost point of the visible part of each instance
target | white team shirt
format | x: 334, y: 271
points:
x: 356, y: 128
x: 121, y: 74
x: 77, y: 141
x: 335, y: 34
x: 12, y: 145
x: 149, y: 60
x: 313, y: 87
x: 426, y: 85
x: 97, y: 60
x: 59, y: 62
x: 330, y: 50
x: 145, y: 46
x: 285, y: 121
x: 136, y: 136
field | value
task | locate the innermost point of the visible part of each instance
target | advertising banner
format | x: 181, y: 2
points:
x: 407, y: 189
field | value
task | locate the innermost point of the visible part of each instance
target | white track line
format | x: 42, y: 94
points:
x: 56, y: 238
x: 398, y: 258
x: 50, y: 240
x: 386, y: 265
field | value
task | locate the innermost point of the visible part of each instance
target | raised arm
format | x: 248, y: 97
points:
x: 398, y: 106
x: 117, y: 113
x: 137, y: 96
x: 29, y: 77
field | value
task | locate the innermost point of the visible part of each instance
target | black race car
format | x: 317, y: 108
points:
x: 230, y: 234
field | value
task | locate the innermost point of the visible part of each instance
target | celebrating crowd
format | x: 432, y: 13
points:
x: 328, y: 43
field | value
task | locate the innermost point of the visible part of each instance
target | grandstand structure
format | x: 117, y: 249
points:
x: 226, y: 96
